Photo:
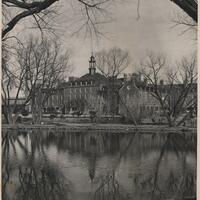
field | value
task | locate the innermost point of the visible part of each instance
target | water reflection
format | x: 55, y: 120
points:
x: 30, y: 177
x: 41, y: 165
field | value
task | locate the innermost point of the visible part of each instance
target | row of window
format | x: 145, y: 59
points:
x: 78, y: 90
x: 150, y: 108
x: 70, y: 94
x: 81, y: 83
x: 55, y: 99
x: 79, y: 96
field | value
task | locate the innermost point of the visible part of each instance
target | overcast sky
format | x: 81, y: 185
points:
x: 153, y: 31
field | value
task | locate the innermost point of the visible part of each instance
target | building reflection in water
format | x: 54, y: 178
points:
x: 92, y: 157
x: 60, y: 165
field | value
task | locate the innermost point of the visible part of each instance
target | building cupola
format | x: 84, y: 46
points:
x: 92, y: 65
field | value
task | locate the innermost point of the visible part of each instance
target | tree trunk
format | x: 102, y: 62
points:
x: 36, y: 114
x: 5, y: 115
x: 171, y: 121
x: 8, y: 112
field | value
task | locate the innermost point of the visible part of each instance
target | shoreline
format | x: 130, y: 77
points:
x: 113, y: 128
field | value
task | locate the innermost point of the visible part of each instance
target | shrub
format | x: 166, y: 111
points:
x: 52, y: 116
x: 19, y: 119
x: 62, y: 116
x: 24, y: 112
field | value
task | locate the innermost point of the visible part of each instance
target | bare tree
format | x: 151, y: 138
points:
x: 46, y: 66
x: 24, y: 9
x: 113, y: 62
x: 41, y: 66
x: 178, y: 97
x: 12, y: 78
x: 43, y: 12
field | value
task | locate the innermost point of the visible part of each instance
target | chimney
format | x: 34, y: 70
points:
x: 72, y: 78
x: 161, y: 82
x: 125, y: 77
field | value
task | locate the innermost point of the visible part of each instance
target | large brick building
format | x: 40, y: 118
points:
x: 137, y: 101
x: 129, y: 97
x: 92, y: 91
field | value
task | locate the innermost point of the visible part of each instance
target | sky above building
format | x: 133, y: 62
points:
x: 153, y: 31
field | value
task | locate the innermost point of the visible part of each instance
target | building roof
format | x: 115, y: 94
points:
x: 96, y: 76
x: 144, y: 85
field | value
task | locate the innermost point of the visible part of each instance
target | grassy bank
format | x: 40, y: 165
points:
x: 114, y: 128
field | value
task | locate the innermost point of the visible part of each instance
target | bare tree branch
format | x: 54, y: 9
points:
x: 177, y: 96
x: 113, y: 62
x: 40, y: 67
x: 188, y: 6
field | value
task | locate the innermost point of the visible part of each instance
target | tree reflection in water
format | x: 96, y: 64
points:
x: 45, y: 183
x: 36, y: 179
x: 176, y: 186
x: 110, y: 189
x: 155, y: 154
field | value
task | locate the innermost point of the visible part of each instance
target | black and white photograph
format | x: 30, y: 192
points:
x: 99, y: 99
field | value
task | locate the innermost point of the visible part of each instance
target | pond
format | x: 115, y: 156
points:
x: 56, y: 165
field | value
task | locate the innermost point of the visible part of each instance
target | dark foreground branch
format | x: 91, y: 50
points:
x: 32, y: 8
